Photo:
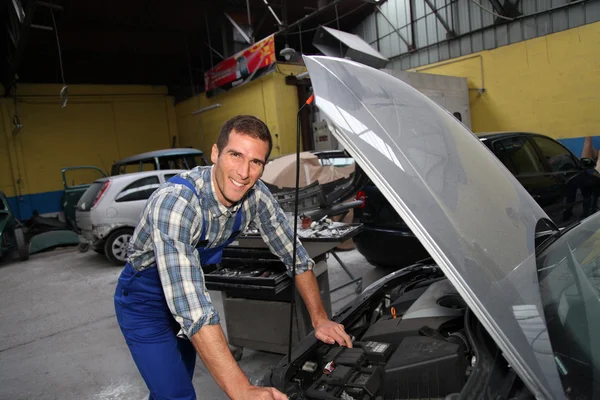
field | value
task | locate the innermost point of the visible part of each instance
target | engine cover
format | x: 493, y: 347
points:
x: 425, y: 368
x: 439, y: 300
x: 438, y: 306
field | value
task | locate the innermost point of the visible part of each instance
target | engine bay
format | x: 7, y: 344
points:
x: 408, y: 343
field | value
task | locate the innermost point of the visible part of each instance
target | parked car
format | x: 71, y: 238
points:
x: 506, y: 308
x: 109, y: 210
x: 565, y: 186
x: 12, y: 236
x: 38, y: 234
x: 76, y: 179
x: 184, y: 158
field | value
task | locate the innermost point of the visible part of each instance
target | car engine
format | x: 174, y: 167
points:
x: 408, y: 343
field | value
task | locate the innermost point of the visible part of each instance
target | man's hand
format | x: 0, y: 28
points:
x: 331, y: 332
x: 262, y: 393
x: 325, y: 330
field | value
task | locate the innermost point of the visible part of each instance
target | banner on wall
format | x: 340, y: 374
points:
x: 241, y: 68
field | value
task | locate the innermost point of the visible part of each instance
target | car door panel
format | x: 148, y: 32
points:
x: 579, y: 188
x: 522, y: 158
x: 130, y: 201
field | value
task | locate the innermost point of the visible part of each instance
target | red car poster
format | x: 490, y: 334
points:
x: 241, y: 68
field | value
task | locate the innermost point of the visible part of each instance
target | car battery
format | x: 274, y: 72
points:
x: 346, y: 382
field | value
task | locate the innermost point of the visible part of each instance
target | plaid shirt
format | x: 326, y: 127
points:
x: 170, y: 228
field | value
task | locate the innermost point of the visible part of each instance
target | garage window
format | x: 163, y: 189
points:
x: 141, y: 189
x: 559, y: 158
x: 519, y: 156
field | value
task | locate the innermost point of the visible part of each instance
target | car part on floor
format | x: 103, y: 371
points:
x: 39, y: 234
x: 22, y: 248
x: 52, y: 239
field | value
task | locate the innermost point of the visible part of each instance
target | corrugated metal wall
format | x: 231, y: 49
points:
x: 472, y: 24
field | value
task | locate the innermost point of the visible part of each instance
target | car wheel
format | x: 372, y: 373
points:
x: 22, y: 247
x: 116, y: 244
x: 83, y: 247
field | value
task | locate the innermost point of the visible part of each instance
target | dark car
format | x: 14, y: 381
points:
x: 565, y: 186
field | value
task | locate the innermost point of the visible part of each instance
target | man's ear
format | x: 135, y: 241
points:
x: 214, y: 155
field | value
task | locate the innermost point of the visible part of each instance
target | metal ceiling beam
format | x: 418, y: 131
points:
x: 449, y: 31
x: 498, y: 6
x: 308, y: 17
x: 42, y: 27
x: 410, y: 46
x: 273, y: 12
x: 507, y: 9
x: 240, y: 30
x: 21, y: 36
x: 19, y: 10
x: 261, y: 22
x: 250, y: 21
x: 50, y: 5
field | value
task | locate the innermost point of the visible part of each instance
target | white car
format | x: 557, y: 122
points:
x: 110, y: 209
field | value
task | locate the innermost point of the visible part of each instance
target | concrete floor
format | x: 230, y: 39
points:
x: 59, y: 338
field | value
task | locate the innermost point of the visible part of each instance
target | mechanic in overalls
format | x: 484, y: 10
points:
x: 162, y: 305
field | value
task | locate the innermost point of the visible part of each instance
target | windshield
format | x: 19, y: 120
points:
x: 87, y: 199
x: 183, y: 161
x: 569, y: 278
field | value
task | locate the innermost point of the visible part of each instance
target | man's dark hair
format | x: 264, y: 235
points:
x: 245, y: 125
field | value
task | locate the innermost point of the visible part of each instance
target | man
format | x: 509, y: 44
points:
x: 161, y: 300
x: 589, y: 151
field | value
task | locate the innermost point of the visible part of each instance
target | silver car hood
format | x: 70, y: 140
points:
x: 469, y: 212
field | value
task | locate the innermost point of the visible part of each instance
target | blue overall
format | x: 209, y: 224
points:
x: 165, y: 361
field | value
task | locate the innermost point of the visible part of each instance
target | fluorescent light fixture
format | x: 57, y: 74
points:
x: 201, y: 110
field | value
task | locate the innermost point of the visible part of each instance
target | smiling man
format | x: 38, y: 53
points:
x: 164, y: 310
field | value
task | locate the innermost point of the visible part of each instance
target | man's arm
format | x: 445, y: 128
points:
x: 212, y: 347
x: 588, y: 150
x: 326, y: 330
x: 278, y: 235
x: 174, y: 219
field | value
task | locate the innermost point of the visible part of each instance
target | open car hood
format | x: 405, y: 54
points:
x: 469, y: 212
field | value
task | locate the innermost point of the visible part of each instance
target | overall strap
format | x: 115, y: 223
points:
x: 182, y: 181
x: 238, y: 220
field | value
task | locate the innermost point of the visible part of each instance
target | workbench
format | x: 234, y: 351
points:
x: 257, y: 291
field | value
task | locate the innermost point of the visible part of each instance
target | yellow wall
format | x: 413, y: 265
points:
x: 99, y: 125
x: 7, y: 184
x: 267, y: 98
x: 549, y: 85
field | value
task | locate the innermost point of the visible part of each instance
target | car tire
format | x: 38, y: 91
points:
x: 115, y: 247
x: 22, y: 247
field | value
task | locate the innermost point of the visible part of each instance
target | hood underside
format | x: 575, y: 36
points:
x: 469, y: 212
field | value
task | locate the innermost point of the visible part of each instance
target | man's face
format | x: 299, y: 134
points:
x: 238, y: 166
